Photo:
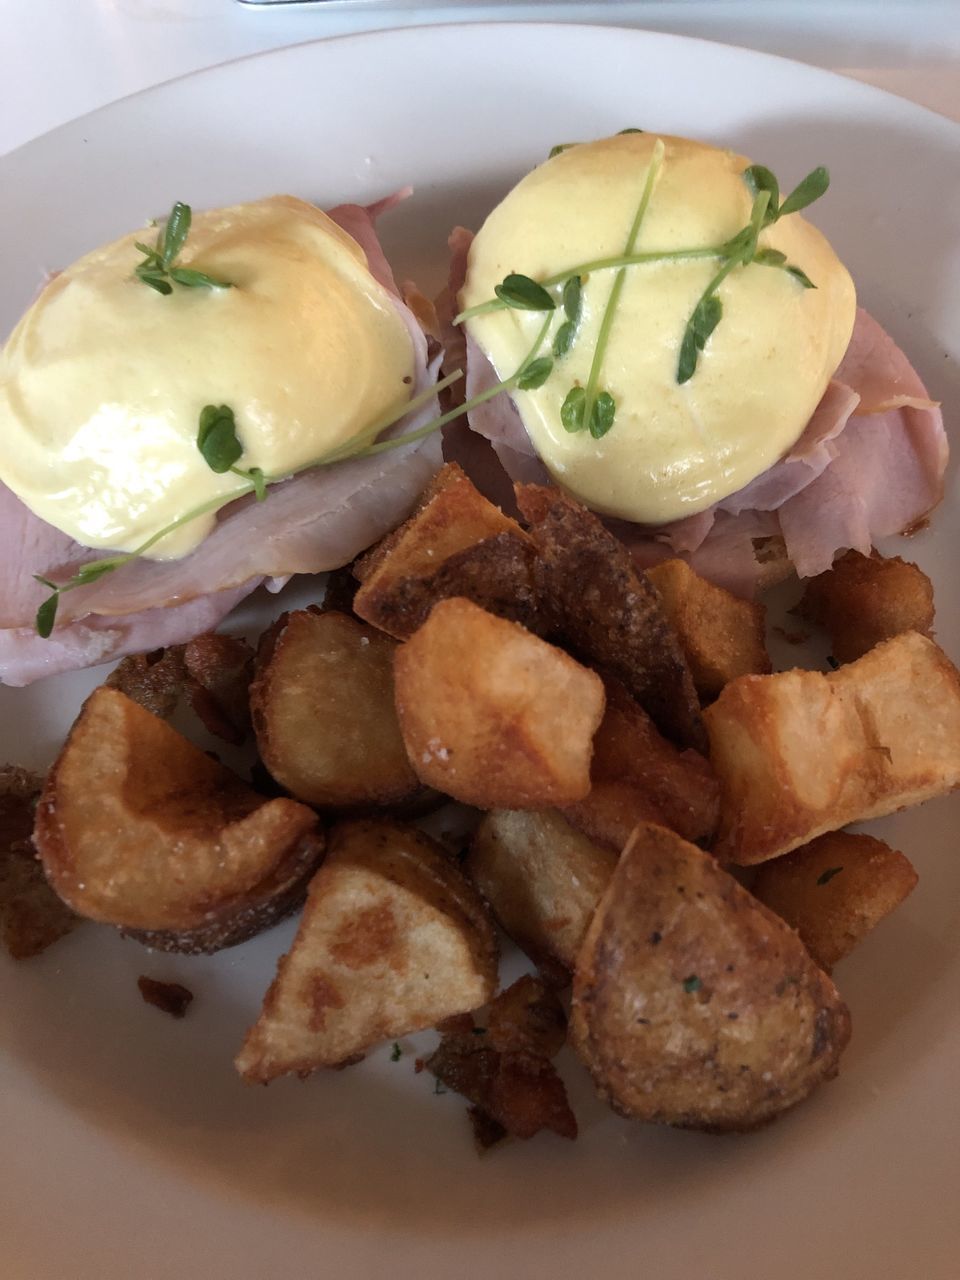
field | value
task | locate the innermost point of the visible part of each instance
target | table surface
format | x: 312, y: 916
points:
x: 62, y: 58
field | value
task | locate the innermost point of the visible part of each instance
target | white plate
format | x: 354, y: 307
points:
x: 129, y: 1147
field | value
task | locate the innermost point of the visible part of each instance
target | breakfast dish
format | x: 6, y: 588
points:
x: 753, y: 420
x: 833, y: 1109
x: 302, y: 310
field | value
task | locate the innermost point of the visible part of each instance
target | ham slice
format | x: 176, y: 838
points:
x: 313, y: 522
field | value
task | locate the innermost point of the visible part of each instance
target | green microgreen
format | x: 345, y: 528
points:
x: 826, y: 876
x: 601, y: 423
x: 524, y: 294
x: 159, y: 269
x: 535, y: 374
x: 396, y: 1053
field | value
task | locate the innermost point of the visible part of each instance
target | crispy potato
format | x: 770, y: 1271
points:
x: 213, y: 670
x: 504, y: 1069
x: 865, y: 599
x: 218, y: 672
x: 32, y: 917
x: 393, y: 939
x: 324, y: 715
x: 801, y: 753
x: 493, y: 716
x: 542, y: 879
x: 610, y: 812
x: 140, y: 829
x: 608, y: 612
x: 455, y: 544
x: 693, y: 1005
x: 154, y: 680
x: 638, y: 776
x: 721, y: 635
x: 835, y: 890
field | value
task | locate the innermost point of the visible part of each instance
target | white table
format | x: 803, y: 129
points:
x: 62, y: 58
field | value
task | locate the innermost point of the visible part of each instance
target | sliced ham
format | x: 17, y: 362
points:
x: 313, y: 522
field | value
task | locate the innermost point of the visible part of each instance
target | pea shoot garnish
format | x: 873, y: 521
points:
x: 217, y: 441
x: 159, y: 269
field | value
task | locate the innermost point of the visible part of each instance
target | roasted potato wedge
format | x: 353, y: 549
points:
x: 324, y: 714
x: 32, y: 917
x: 721, y: 635
x: 542, y: 879
x: 607, y: 611
x: 493, y: 716
x: 393, y: 939
x: 455, y: 544
x: 140, y: 829
x: 835, y: 890
x: 693, y: 1004
x: 865, y: 599
x: 637, y: 775
x: 801, y: 753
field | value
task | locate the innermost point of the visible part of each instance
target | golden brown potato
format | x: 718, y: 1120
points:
x: 865, y: 599
x: 32, y: 917
x: 637, y: 775
x: 493, y: 716
x: 542, y: 879
x: 393, y: 939
x: 140, y: 829
x: 455, y: 544
x: 324, y: 714
x: 693, y: 1005
x: 218, y: 671
x: 154, y: 680
x: 607, y: 611
x: 504, y: 1068
x: 722, y: 636
x: 835, y: 890
x: 801, y: 753
x: 610, y: 812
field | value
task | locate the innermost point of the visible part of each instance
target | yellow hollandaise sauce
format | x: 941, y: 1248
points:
x: 103, y: 381
x: 675, y: 448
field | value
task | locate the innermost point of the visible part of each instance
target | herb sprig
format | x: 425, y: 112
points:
x: 159, y: 268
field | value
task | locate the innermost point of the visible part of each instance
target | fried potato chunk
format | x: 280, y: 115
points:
x: 801, y: 753
x: 694, y: 1005
x: 721, y: 635
x: 835, y: 890
x: 32, y: 917
x: 865, y: 599
x: 504, y: 1068
x: 455, y: 544
x: 607, y: 611
x: 542, y: 879
x: 140, y: 829
x: 218, y: 671
x: 393, y: 939
x: 324, y: 715
x: 638, y: 776
x: 493, y: 716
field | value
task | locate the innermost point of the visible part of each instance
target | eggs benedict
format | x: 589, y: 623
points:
x: 671, y: 330
x: 162, y: 386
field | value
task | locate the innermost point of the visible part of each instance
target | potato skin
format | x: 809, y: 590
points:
x: 693, y: 1005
